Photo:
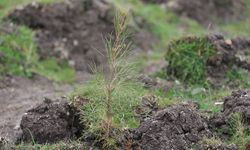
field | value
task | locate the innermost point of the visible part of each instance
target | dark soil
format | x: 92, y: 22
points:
x: 238, y: 102
x: 74, y: 30
x: 19, y: 94
x: 176, y: 127
x: 241, y: 43
x: 51, y: 122
x: 71, y: 30
x: 209, y: 12
x: 226, y: 57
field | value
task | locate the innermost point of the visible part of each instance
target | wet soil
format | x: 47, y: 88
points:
x: 176, y: 127
x: 20, y: 94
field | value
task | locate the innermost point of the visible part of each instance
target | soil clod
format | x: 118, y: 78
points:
x: 176, y: 127
x: 50, y: 122
x: 238, y: 102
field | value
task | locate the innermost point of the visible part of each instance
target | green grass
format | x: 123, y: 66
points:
x: 19, y: 50
x: 165, y: 24
x: 240, y: 133
x: 8, y: 5
x: 240, y: 78
x: 187, y: 59
x: 238, y: 28
x: 205, y: 97
x: 19, y: 57
x: 126, y: 98
x: 56, y: 70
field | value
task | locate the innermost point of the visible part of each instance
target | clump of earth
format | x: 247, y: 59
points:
x: 19, y: 94
x: 206, y: 12
x: 50, y: 122
x: 176, y: 127
x: 238, y: 102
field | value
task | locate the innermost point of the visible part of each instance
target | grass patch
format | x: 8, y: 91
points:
x: 240, y: 78
x: 19, y: 57
x: 126, y: 99
x: 187, y: 58
x: 212, y: 141
x: 239, y: 28
x: 19, y: 51
x: 240, y: 134
x: 8, y: 5
x: 205, y: 97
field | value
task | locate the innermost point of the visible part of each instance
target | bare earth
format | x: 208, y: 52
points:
x: 17, y: 95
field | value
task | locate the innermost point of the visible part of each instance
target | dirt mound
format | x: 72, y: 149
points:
x: 207, y: 12
x: 224, y: 57
x: 71, y: 30
x: 50, y: 122
x: 176, y: 127
x: 238, y: 102
x: 228, y: 54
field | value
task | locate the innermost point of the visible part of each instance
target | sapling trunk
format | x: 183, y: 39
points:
x: 117, y: 48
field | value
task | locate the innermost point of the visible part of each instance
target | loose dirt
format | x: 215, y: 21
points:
x: 229, y: 53
x: 176, y: 127
x: 238, y: 102
x: 20, y: 94
x: 72, y: 30
x: 51, y: 122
